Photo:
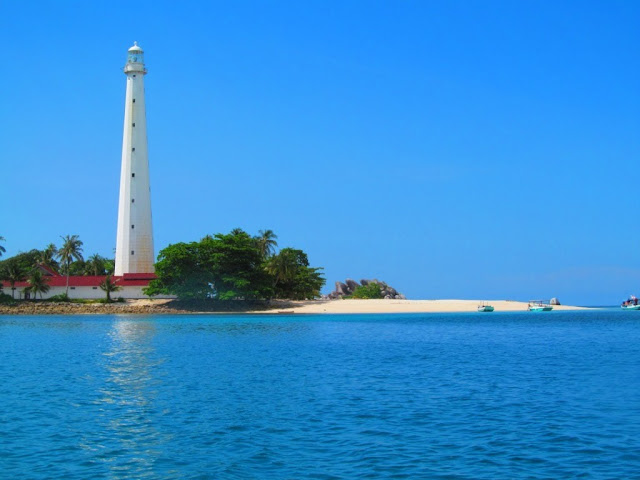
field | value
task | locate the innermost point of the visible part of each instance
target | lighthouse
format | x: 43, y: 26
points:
x: 134, y: 241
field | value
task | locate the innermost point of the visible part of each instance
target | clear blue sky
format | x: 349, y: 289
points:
x: 455, y: 149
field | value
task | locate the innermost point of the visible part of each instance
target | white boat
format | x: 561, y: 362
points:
x: 483, y: 307
x: 539, y: 306
x: 631, y: 304
x: 630, y: 307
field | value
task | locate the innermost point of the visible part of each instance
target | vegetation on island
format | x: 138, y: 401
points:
x: 67, y: 260
x: 71, y: 250
x: 109, y: 286
x: 22, y: 263
x: 37, y: 283
x: 371, y: 290
x: 235, y: 266
x: 229, y: 266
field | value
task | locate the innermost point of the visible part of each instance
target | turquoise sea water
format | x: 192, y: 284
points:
x: 455, y: 396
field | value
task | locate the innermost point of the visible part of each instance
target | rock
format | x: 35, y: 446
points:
x: 352, y: 284
x: 341, y: 288
x: 349, y: 286
x: 554, y: 301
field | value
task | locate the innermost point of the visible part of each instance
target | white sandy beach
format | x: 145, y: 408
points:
x: 405, y: 306
x: 377, y: 306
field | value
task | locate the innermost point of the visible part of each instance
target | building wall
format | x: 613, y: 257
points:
x: 87, y: 293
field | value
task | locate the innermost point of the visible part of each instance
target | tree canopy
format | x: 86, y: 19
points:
x: 234, y: 266
x: 293, y: 277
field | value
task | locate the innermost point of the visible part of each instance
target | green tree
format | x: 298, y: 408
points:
x: 95, y: 265
x: 25, y: 261
x: 182, y: 272
x: 38, y: 283
x: 109, y: 286
x: 293, y: 277
x: 223, y: 267
x: 47, y: 257
x: 109, y: 266
x: 14, y: 274
x: 236, y: 266
x: 266, y: 242
x: 282, y: 267
x: 233, y: 266
x: 71, y: 249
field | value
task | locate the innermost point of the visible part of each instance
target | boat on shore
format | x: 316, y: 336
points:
x: 539, y: 306
x: 484, y: 307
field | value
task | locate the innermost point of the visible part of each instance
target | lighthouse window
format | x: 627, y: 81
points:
x: 132, y: 226
x: 134, y: 124
x: 131, y: 252
x: 133, y: 174
x: 133, y: 149
x: 133, y: 200
x: 134, y: 76
x: 134, y: 100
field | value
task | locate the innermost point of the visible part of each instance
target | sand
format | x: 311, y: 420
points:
x: 166, y: 306
x: 404, y: 306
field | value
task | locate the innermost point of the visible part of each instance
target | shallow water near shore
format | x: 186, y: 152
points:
x: 500, y: 395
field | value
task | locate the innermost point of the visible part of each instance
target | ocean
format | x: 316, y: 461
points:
x: 434, y: 396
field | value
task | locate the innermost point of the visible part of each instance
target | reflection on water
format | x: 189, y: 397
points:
x: 128, y: 414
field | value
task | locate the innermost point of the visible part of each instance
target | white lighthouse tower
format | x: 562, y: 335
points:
x: 134, y: 242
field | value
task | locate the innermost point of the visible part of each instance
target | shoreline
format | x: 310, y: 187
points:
x: 353, y: 306
x: 274, y: 307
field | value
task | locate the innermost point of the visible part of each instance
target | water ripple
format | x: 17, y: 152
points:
x: 404, y: 396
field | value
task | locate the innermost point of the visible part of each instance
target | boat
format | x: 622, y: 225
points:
x: 483, y: 307
x: 630, y: 307
x: 631, y: 304
x: 539, y: 306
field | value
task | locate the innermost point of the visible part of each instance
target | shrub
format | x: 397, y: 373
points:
x: 4, y: 298
x: 372, y: 290
x: 61, y: 297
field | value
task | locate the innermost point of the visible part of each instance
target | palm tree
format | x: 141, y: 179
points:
x: 38, y: 283
x: 71, y: 249
x: 47, y: 256
x: 109, y: 266
x: 14, y: 274
x: 95, y: 265
x: 2, y: 249
x: 283, y: 266
x: 267, y: 243
x: 109, y: 286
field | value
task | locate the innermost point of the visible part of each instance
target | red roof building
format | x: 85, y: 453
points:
x: 85, y: 286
